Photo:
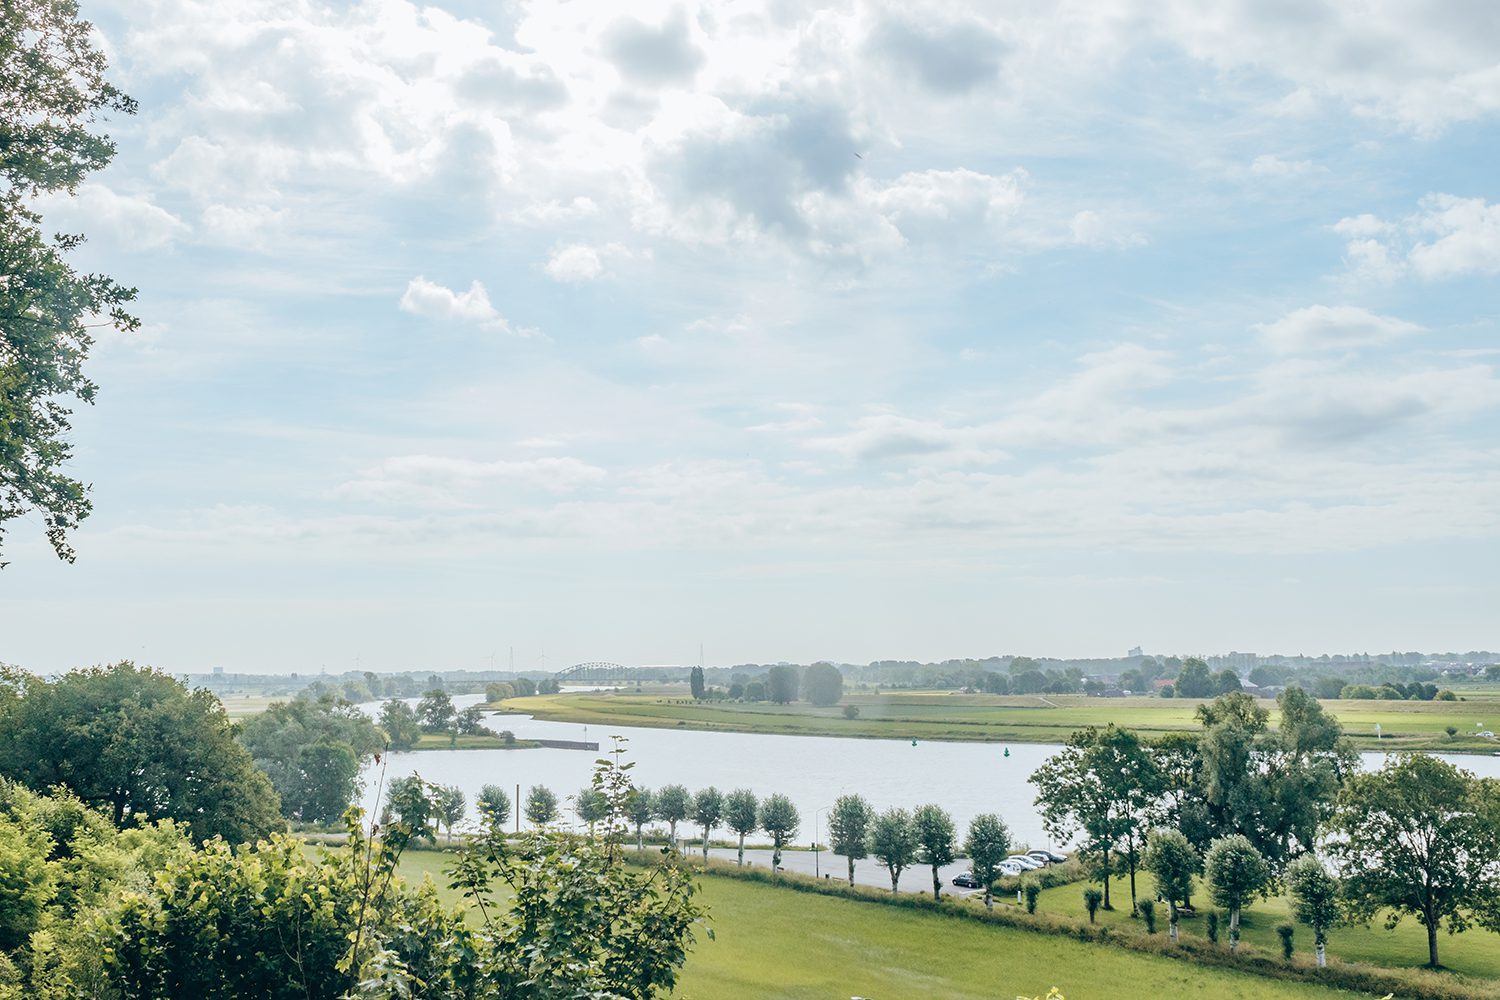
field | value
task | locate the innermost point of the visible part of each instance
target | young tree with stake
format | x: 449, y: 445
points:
x: 937, y: 842
x: 708, y: 809
x: 893, y: 842
x: 1173, y: 861
x: 778, y: 817
x: 742, y: 815
x: 849, y: 828
x: 988, y: 844
x: 672, y: 805
x: 1315, y: 899
x: 1236, y: 874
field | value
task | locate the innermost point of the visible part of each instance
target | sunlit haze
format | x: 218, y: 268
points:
x: 795, y: 331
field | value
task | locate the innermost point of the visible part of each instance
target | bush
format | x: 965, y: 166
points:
x: 851, y: 711
x: 1286, y: 931
x: 1091, y: 899
x: 1031, y: 888
x: 1147, y: 910
x: 1213, y: 927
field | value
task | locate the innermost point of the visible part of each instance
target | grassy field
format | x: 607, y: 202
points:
x: 1475, y: 953
x: 944, y: 715
x: 776, y: 944
x: 438, y: 741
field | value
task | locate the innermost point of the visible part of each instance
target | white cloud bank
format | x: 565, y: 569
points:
x: 1324, y: 328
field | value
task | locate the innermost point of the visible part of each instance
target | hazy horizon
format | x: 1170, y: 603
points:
x: 838, y: 330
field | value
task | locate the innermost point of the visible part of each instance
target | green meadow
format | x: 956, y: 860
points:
x: 771, y: 943
x: 945, y: 715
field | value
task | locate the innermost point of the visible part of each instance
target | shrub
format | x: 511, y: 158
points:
x: 1286, y: 931
x: 1213, y: 927
x: 1091, y: 899
x: 1148, y: 913
x: 1032, y: 889
x: 851, y: 711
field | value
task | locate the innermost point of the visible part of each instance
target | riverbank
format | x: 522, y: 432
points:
x: 951, y: 716
x: 440, y: 741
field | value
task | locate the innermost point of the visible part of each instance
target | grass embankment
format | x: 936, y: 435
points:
x: 1475, y: 953
x: 439, y: 741
x: 945, y: 715
x: 772, y: 943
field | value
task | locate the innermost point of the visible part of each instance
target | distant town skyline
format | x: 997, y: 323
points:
x: 829, y: 330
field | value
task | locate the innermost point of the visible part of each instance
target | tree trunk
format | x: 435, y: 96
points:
x: 741, y: 861
x: 1322, y: 957
x: 895, y: 879
x: 1432, y: 943
x: 851, y: 870
x: 705, y: 843
x: 640, y: 838
x: 1132, y: 881
x: 1107, y: 904
x: 776, y: 855
x: 989, y: 899
x: 1234, y: 929
x: 937, y: 884
x: 1172, y: 918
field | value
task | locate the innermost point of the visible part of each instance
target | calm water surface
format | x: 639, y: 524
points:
x: 964, y: 778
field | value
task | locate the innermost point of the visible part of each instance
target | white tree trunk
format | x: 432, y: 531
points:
x: 1322, y: 957
x: 1234, y: 930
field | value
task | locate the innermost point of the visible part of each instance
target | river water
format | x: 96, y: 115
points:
x: 964, y: 778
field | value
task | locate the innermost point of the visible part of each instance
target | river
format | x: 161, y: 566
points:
x: 964, y: 778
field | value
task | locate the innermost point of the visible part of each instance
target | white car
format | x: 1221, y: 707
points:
x: 1030, y: 864
x: 1011, y: 868
x: 1046, y: 856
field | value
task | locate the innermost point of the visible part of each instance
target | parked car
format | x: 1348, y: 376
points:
x: 1030, y: 864
x: 1047, y: 856
x: 1011, y: 868
x: 967, y: 880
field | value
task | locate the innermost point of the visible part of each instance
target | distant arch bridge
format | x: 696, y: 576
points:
x: 593, y: 673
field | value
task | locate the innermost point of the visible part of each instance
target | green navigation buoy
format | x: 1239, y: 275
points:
x: 914, y: 741
x: 1007, y: 751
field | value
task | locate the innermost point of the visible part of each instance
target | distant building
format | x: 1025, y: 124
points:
x: 1135, y: 651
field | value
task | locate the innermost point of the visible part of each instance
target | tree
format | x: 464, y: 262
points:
x: 436, y: 711
x: 541, y: 806
x: 695, y: 683
x: 138, y: 745
x: 591, y: 807
x: 1315, y: 899
x: 849, y: 828
x: 1171, y: 858
x: 548, y: 685
x: 52, y: 96
x: 936, y: 842
x: 1421, y: 837
x: 450, y: 806
x: 756, y: 691
x: 1236, y: 874
x: 1275, y: 787
x: 525, y: 687
x: 312, y: 750
x: 639, y: 810
x: 470, y: 722
x: 987, y: 845
x: 412, y: 806
x: 494, y: 807
x: 497, y: 691
x: 708, y: 809
x: 823, y: 684
x: 778, y: 817
x: 1194, y: 680
x: 742, y: 815
x: 1226, y: 681
x: 781, y: 684
x: 893, y: 842
x: 1104, y: 783
x: 672, y: 805
x: 402, y: 728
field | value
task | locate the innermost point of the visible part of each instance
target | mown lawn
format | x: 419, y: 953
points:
x: 947, y: 715
x: 1474, y: 953
x: 777, y: 944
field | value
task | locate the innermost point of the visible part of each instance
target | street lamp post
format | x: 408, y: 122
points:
x: 817, y: 854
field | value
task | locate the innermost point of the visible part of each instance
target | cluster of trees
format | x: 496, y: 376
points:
x: 137, y: 745
x: 435, y: 713
x: 91, y: 909
x: 1250, y: 807
x: 312, y: 749
x: 521, y: 687
x: 821, y: 684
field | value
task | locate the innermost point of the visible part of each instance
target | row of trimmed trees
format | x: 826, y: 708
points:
x: 1254, y: 809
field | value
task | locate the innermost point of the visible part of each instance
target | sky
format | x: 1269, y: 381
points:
x: 854, y: 331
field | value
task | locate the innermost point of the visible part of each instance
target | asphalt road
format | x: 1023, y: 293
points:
x: 866, y: 872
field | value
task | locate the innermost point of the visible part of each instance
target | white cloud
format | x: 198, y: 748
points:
x: 1268, y: 165
x: 462, y: 482
x: 1323, y: 328
x: 103, y: 213
x: 1448, y: 237
x: 433, y: 301
x: 575, y: 262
